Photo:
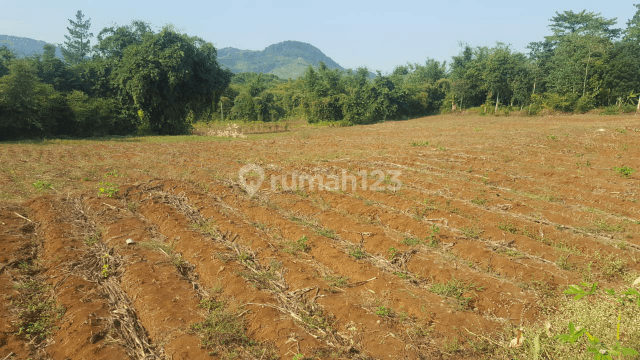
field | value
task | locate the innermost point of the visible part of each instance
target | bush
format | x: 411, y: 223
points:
x: 585, y: 103
x: 325, y: 109
x: 95, y: 117
x: 26, y: 103
x: 564, y: 103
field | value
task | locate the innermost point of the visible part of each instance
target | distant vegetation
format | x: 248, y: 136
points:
x: 135, y: 80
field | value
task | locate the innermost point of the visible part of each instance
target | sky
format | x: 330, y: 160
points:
x: 377, y: 34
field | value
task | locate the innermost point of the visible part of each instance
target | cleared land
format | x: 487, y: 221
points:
x: 494, y: 218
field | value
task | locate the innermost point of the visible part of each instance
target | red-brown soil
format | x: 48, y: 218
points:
x: 494, y: 217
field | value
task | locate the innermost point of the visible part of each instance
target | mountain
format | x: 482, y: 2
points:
x: 288, y: 59
x: 25, y: 46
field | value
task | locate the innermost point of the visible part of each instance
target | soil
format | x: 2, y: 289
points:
x: 490, y: 218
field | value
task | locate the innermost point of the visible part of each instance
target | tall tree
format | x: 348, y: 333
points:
x: 632, y: 32
x: 167, y: 76
x: 6, y: 55
x: 583, y: 23
x: 77, y: 46
x: 113, y: 40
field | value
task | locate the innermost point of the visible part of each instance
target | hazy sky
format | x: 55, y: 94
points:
x: 376, y: 34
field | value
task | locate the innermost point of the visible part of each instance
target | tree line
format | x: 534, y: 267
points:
x: 136, y: 80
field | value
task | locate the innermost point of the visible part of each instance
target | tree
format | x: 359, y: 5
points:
x: 632, y: 32
x: 23, y: 102
x: 168, y: 76
x: 77, y: 46
x: 54, y: 71
x: 6, y: 55
x: 113, y: 40
x: 622, y: 73
x: 583, y: 23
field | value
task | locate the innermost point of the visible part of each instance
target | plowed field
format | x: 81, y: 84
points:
x: 485, y: 224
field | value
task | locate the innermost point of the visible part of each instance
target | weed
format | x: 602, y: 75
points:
x: 456, y: 288
x: 357, y: 252
x: 508, y: 227
x: 336, y: 281
x: 41, y: 185
x: 597, y: 347
x: 624, y: 171
x: 92, y: 239
x: 327, y: 233
x: 207, y: 227
x: 420, y: 143
x: 37, y: 311
x: 603, y: 226
x: 133, y: 206
x: 471, y: 232
x: 105, y: 266
x: 108, y: 189
x: 293, y: 247
x: 223, y: 332
x: 411, y: 241
x: 563, y: 263
x: 384, y: 311
x: 392, y: 253
x: 113, y: 173
x: 552, y: 137
x: 479, y: 201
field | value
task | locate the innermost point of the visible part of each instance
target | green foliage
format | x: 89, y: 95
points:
x: 77, y: 47
x: 41, y: 185
x: 166, y: 77
x: 27, y: 105
x: 300, y: 245
x: 624, y: 171
x: 357, y: 252
x: 598, y: 348
x: 37, y: 312
x: 223, y: 333
x: 457, y: 289
x: 109, y: 189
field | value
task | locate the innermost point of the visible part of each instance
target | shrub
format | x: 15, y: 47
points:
x: 585, y: 103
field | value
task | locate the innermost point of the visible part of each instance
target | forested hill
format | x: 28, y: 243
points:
x: 288, y: 59
x: 25, y: 46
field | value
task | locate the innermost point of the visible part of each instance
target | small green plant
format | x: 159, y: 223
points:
x: 411, y: 241
x: 113, y: 173
x: 552, y: 137
x: 384, y: 311
x: 508, y: 227
x: 599, y: 349
x: 37, y: 311
x: 92, y: 239
x: 293, y: 247
x: 420, y: 143
x: 223, y: 333
x: 105, y: 266
x: 456, y: 289
x: 471, y: 232
x: 336, y: 281
x: 41, y: 185
x: 133, y: 206
x: 357, y: 252
x: 392, y: 253
x: 624, y: 171
x: 563, y: 263
x: 327, y: 233
x: 479, y: 201
x: 108, y: 189
x: 105, y: 271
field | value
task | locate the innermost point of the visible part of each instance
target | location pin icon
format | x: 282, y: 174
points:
x: 251, y: 171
